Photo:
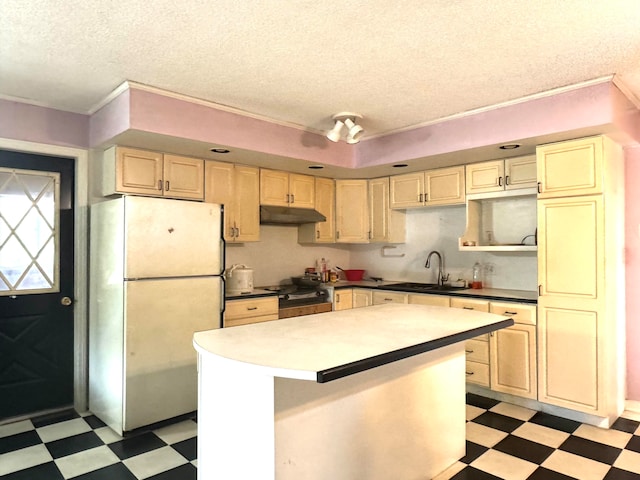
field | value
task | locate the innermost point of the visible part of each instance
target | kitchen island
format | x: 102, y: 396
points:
x: 371, y: 393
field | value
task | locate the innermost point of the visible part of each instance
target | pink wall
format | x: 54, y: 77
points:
x: 30, y: 123
x: 632, y: 250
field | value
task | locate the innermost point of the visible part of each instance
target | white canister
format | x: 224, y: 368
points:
x: 239, y: 280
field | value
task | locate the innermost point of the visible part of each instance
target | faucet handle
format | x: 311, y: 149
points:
x: 445, y: 278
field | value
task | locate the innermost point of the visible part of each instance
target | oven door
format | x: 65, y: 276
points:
x: 300, y: 310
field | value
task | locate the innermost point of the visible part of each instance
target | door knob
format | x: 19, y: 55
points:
x: 66, y: 301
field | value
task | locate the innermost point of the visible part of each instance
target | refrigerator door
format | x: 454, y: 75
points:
x: 171, y: 238
x: 160, y: 362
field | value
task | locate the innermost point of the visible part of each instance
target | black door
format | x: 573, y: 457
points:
x: 36, y: 283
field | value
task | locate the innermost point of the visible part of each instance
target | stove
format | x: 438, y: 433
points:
x: 295, y: 301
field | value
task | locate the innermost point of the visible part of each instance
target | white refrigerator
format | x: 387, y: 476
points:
x: 155, y: 278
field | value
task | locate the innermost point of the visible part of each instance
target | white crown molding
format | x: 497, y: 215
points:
x: 617, y: 81
x: 35, y: 103
x: 123, y: 87
x: 476, y: 111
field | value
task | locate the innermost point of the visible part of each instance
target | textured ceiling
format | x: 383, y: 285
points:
x: 399, y: 63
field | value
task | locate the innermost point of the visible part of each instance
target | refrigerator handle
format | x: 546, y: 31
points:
x: 223, y: 301
x: 223, y: 254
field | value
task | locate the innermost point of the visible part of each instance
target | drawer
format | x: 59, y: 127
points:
x: 477, y: 373
x: 251, y: 307
x: 470, y: 304
x: 380, y: 298
x: 234, y: 322
x: 304, y: 310
x: 477, y: 351
x: 520, y: 313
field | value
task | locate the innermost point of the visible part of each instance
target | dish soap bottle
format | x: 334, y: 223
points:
x: 476, y: 282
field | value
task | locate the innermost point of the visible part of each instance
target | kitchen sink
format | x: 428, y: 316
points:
x: 420, y: 287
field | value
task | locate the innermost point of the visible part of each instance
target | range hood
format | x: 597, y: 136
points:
x: 270, y: 215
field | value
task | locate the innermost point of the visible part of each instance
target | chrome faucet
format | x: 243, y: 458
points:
x: 441, y: 276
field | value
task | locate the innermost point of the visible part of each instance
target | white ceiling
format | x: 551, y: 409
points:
x: 399, y: 63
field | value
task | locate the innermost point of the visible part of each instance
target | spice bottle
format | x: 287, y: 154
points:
x: 476, y: 282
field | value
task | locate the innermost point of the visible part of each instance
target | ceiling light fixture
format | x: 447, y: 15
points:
x: 346, y: 119
x: 509, y: 146
x: 219, y: 150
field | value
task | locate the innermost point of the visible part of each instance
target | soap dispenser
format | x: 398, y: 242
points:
x: 476, y: 281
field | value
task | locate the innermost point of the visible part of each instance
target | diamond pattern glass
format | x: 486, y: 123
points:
x: 29, y: 232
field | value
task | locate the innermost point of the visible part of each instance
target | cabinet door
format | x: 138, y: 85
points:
x: 382, y: 297
x: 343, y: 299
x: 571, y: 248
x: 219, y: 188
x: 183, y: 177
x: 435, y: 300
x: 379, y: 209
x: 520, y: 172
x: 326, y: 205
x: 473, y: 304
x: 138, y: 171
x: 302, y: 191
x: 407, y: 190
x: 352, y: 212
x: 568, y: 356
x: 445, y: 186
x: 485, y: 177
x: 362, y: 298
x: 570, y: 168
x: 246, y: 203
x: 513, y: 361
x: 274, y: 188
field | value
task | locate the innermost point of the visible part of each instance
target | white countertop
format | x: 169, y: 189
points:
x: 309, y: 347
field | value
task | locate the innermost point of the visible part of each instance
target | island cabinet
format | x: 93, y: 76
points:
x: 362, y: 298
x: 251, y: 310
x: 129, y: 170
x: 477, y: 368
x: 386, y: 225
x: 581, y: 277
x: 286, y: 189
x: 500, y: 175
x: 352, y: 211
x: 325, y: 203
x: 443, y: 186
x: 343, y: 299
x: 237, y: 188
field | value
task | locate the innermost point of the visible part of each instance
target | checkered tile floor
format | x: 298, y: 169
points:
x: 503, y: 442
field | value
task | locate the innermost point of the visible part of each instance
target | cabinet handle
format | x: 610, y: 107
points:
x: 337, y: 235
x: 468, y: 374
x: 160, y: 185
x: 499, y: 181
x: 539, y: 290
x: 337, y: 298
x: 420, y: 198
x: 388, y: 299
x: 467, y: 308
x: 293, y: 198
x: 237, y: 231
x: 426, y: 197
x: 469, y: 351
x: 506, y: 180
x: 252, y: 308
x: 166, y: 184
x: 510, y: 313
x: 539, y: 187
x: 317, y: 233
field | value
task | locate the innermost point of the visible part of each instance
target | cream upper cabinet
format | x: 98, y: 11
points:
x: 580, y: 270
x: 443, y: 186
x: 129, y: 170
x: 321, y: 232
x: 352, y: 211
x: 286, y: 189
x: 237, y: 188
x: 362, y: 298
x: 343, y: 299
x: 513, y: 363
x: 574, y: 167
x: 386, y: 225
x: 499, y: 175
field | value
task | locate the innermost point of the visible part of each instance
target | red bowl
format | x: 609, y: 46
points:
x: 354, y: 275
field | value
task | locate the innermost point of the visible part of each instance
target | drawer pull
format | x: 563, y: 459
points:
x: 468, y: 373
x: 467, y: 308
x: 469, y: 351
x: 510, y: 313
x: 252, y: 308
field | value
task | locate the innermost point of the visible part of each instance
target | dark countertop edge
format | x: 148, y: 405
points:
x: 452, y: 293
x: 352, y: 368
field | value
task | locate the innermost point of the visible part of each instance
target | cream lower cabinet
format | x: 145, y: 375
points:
x: 477, y: 349
x: 325, y: 203
x: 380, y: 297
x: 237, y: 188
x: 129, y: 170
x: 513, y: 364
x: 352, y: 211
x: 343, y: 299
x: 362, y: 298
x: 425, y: 299
x: 251, y: 310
